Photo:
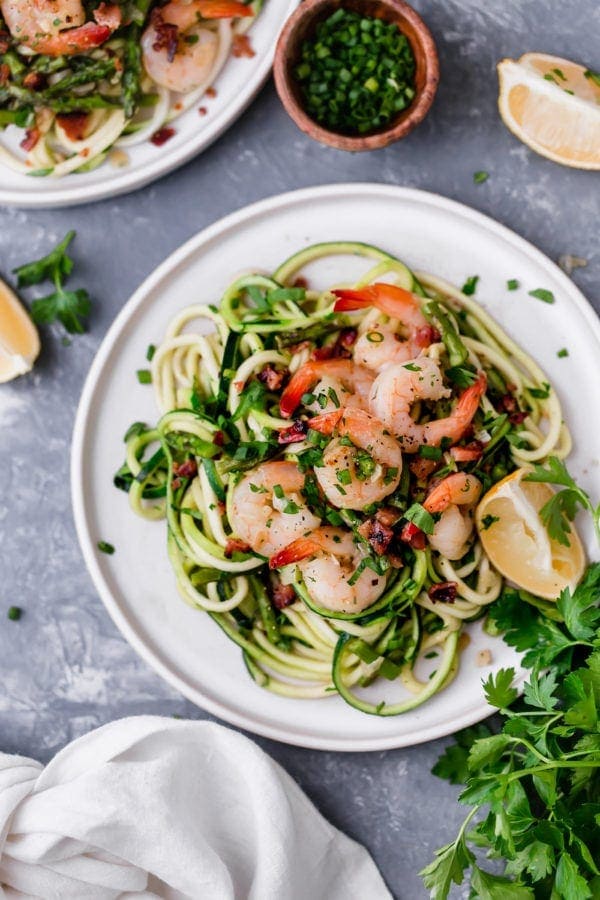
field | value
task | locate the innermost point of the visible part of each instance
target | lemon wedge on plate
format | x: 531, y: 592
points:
x: 516, y: 541
x: 19, y: 340
x: 553, y: 106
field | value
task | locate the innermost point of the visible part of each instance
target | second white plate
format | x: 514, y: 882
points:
x: 136, y: 584
x: 237, y: 84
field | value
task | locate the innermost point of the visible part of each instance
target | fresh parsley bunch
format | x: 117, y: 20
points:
x: 539, y: 777
x: 69, y: 307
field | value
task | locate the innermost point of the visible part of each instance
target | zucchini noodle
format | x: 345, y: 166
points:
x: 77, y: 104
x: 221, y: 376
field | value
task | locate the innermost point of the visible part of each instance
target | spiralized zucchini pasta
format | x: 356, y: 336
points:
x: 82, y: 77
x: 318, y: 459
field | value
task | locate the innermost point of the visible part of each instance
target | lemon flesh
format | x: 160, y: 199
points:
x: 550, y: 105
x: 517, y: 543
x: 19, y: 340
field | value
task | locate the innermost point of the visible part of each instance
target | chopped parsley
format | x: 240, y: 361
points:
x: 542, y: 294
x: 512, y: 284
x: 470, y: 285
x: 480, y: 177
x: 150, y: 352
x: 105, y: 547
x: 488, y: 521
x: 418, y: 515
x: 144, y: 376
x: 562, y: 353
x: 14, y: 613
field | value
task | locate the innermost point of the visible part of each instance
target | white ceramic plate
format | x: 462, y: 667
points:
x: 136, y: 584
x: 237, y: 84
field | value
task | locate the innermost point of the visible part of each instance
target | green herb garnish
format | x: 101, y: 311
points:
x: 105, y: 547
x: 144, y: 376
x: 480, y: 177
x: 356, y: 73
x: 69, y: 307
x: 470, y: 285
x: 14, y: 613
x: 560, y: 510
x: 512, y: 284
x: 418, y: 515
x: 542, y: 294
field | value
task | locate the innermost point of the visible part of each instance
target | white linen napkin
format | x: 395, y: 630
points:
x: 153, y: 807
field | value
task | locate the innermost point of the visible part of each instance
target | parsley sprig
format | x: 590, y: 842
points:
x: 537, y: 780
x: 69, y: 307
x: 560, y: 510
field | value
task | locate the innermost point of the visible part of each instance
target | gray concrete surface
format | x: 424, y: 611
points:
x: 64, y: 668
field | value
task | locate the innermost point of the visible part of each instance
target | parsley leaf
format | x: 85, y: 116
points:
x: 542, y: 294
x: 68, y: 307
x: 498, y: 688
x: 470, y: 285
x: 418, y: 515
x: 57, y: 264
x: 561, y: 509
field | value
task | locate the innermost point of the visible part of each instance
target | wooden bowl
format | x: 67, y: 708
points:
x: 301, y: 25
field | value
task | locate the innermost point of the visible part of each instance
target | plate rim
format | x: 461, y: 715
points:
x: 178, y: 257
x: 63, y: 197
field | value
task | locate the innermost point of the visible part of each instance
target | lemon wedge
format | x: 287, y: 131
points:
x: 553, y: 106
x: 516, y: 541
x: 19, y: 340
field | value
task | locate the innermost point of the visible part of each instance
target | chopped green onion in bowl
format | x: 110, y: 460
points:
x: 356, y: 73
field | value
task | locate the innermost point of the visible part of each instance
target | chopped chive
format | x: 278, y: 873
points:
x: 150, y: 352
x: 14, y: 613
x: 144, y: 376
x: 105, y: 547
x: 592, y: 76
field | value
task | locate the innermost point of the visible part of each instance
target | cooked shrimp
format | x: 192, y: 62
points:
x: 58, y: 27
x: 453, y: 497
x: 267, y: 510
x: 381, y: 343
x: 399, y: 386
x: 178, y: 52
x: 334, y: 382
x: 327, y: 560
x: 353, y: 475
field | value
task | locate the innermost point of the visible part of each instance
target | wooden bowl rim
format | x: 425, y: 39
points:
x: 378, y: 139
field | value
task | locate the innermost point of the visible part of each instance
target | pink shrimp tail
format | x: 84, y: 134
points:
x: 326, y: 423
x: 300, y: 383
x: 75, y: 40
x: 389, y: 298
x: 222, y: 9
x: 298, y: 550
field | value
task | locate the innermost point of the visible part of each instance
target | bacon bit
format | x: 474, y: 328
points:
x: 468, y: 453
x: 426, y: 335
x: 483, y: 658
x: 4, y: 73
x: 239, y: 386
x: 283, y: 595
x: 271, y: 377
x: 161, y: 136
x: 294, y: 433
x: 32, y: 136
x: 422, y: 468
x: 300, y: 282
x: 167, y: 34
x: 221, y: 507
x: 412, y: 535
x: 517, y: 418
x: 508, y: 403
x: 176, y: 484
x: 242, y: 47
x: 298, y: 348
x: 186, y: 469
x: 235, y: 546
x: 321, y: 353
x: 34, y: 81
x: 377, y: 534
x: 202, y: 110
x: 218, y: 438
x: 4, y: 41
x: 387, y: 515
x: 445, y: 592
x: 74, y: 124
x: 210, y: 92
x: 346, y: 340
